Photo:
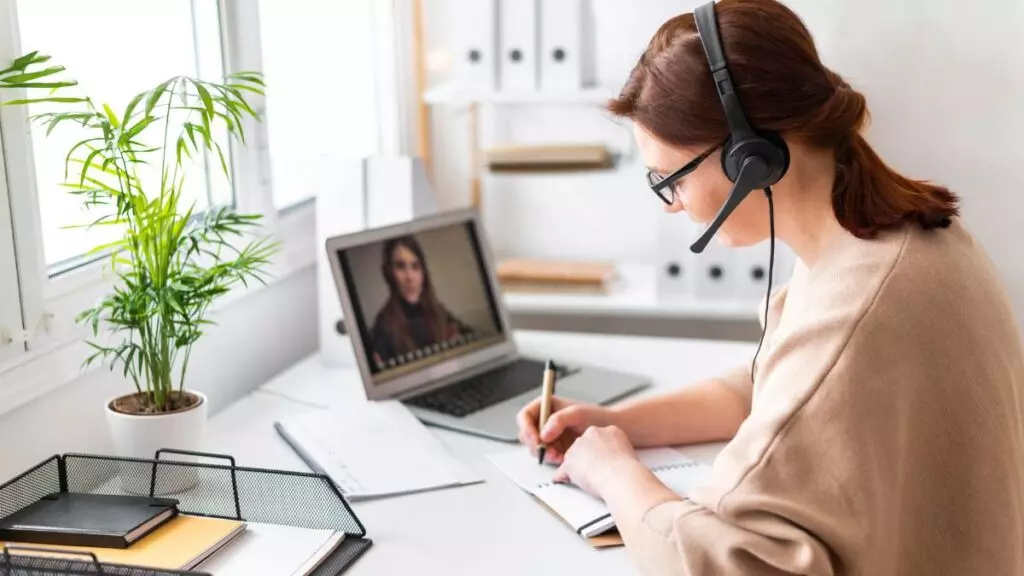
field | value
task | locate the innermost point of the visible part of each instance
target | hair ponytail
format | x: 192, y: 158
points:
x: 784, y: 87
x: 867, y: 194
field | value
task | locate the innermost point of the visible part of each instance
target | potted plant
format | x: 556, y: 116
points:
x: 170, y: 264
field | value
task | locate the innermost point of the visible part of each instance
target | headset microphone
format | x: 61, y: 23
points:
x: 751, y: 159
x: 751, y: 173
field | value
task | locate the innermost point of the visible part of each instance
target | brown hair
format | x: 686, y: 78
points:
x: 783, y: 86
x: 392, y: 317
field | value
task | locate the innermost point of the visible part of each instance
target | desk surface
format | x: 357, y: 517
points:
x: 487, y: 528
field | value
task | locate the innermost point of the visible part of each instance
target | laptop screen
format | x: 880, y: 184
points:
x: 420, y: 299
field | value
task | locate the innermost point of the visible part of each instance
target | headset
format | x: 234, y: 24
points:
x: 752, y: 159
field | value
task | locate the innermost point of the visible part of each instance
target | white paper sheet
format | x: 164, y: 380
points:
x: 273, y: 550
x: 375, y: 449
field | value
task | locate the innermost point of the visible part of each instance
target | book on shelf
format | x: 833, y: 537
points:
x: 557, y: 276
x: 547, y: 157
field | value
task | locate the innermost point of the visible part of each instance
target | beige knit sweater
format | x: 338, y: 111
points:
x: 886, y: 430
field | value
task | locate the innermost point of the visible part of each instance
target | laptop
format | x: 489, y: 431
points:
x: 429, y: 328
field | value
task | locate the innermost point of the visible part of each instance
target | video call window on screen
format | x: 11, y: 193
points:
x: 420, y: 299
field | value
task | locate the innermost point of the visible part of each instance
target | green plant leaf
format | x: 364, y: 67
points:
x: 131, y: 105
x: 223, y: 162
x: 29, y: 76
x: 54, y: 99
x: 204, y: 94
x: 247, y: 88
x: 155, y: 95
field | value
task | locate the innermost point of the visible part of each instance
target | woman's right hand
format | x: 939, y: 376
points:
x: 568, y: 420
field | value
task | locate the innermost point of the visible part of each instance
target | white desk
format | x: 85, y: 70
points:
x: 487, y: 528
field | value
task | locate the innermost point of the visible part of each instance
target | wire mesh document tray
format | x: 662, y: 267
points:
x: 258, y: 495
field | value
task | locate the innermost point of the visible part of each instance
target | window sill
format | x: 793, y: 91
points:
x: 59, y: 362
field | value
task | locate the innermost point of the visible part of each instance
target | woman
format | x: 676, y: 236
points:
x: 881, y: 431
x: 412, y: 319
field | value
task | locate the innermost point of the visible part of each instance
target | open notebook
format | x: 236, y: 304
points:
x: 584, y: 513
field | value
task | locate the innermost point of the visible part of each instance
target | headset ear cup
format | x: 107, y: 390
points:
x: 731, y: 172
x: 779, y: 164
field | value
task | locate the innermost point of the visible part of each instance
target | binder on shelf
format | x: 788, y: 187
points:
x: 676, y: 267
x: 561, y: 45
x: 253, y: 495
x: 752, y: 264
x: 715, y: 273
x: 476, y: 46
x: 517, y: 33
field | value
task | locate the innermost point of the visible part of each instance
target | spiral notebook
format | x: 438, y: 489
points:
x: 584, y: 513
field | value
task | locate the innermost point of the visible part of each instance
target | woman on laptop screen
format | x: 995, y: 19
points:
x: 412, y: 320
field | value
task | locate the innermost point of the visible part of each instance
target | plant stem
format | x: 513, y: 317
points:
x: 184, y: 368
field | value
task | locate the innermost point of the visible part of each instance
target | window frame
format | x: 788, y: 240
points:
x: 54, y: 347
x: 12, y: 332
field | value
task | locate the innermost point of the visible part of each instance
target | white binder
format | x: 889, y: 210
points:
x: 716, y: 273
x: 752, y: 265
x: 517, y: 34
x: 676, y: 266
x: 475, y: 49
x: 561, y: 45
x: 752, y: 271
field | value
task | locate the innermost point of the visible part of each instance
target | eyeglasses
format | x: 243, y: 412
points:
x: 661, y: 184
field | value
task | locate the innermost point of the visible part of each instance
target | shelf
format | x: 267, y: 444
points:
x: 637, y: 297
x: 449, y: 93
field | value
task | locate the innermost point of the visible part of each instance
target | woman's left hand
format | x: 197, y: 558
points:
x: 596, y: 457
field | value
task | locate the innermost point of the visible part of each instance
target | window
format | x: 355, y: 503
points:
x: 152, y: 40
x: 321, y: 102
x: 322, y: 64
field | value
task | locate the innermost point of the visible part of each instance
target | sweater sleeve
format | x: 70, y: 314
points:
x: 738, y: 379
x: 684, y: 538
x: 777, y: 489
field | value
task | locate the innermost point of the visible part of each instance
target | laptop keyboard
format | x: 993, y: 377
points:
x: 478, y: 392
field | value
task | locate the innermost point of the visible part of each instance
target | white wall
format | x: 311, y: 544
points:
x: 258, y: 336
x: 947, y: 103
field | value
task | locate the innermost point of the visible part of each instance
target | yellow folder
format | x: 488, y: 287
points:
x: 180, y: 544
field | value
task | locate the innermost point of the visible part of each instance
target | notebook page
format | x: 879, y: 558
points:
x: 376, y: 449
x: 577, y: 507
x: 574, y: 505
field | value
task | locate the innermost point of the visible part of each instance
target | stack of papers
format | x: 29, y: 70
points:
x: 274, y: 550
x: 373, y: 450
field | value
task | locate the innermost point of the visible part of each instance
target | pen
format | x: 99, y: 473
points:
x: 545, y: 402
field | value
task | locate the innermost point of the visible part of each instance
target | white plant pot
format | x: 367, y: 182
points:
x: 141, y: 435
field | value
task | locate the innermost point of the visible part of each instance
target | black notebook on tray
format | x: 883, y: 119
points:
x: 97, y: 520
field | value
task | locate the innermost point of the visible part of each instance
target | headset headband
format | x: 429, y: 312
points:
x: 707, y: 30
